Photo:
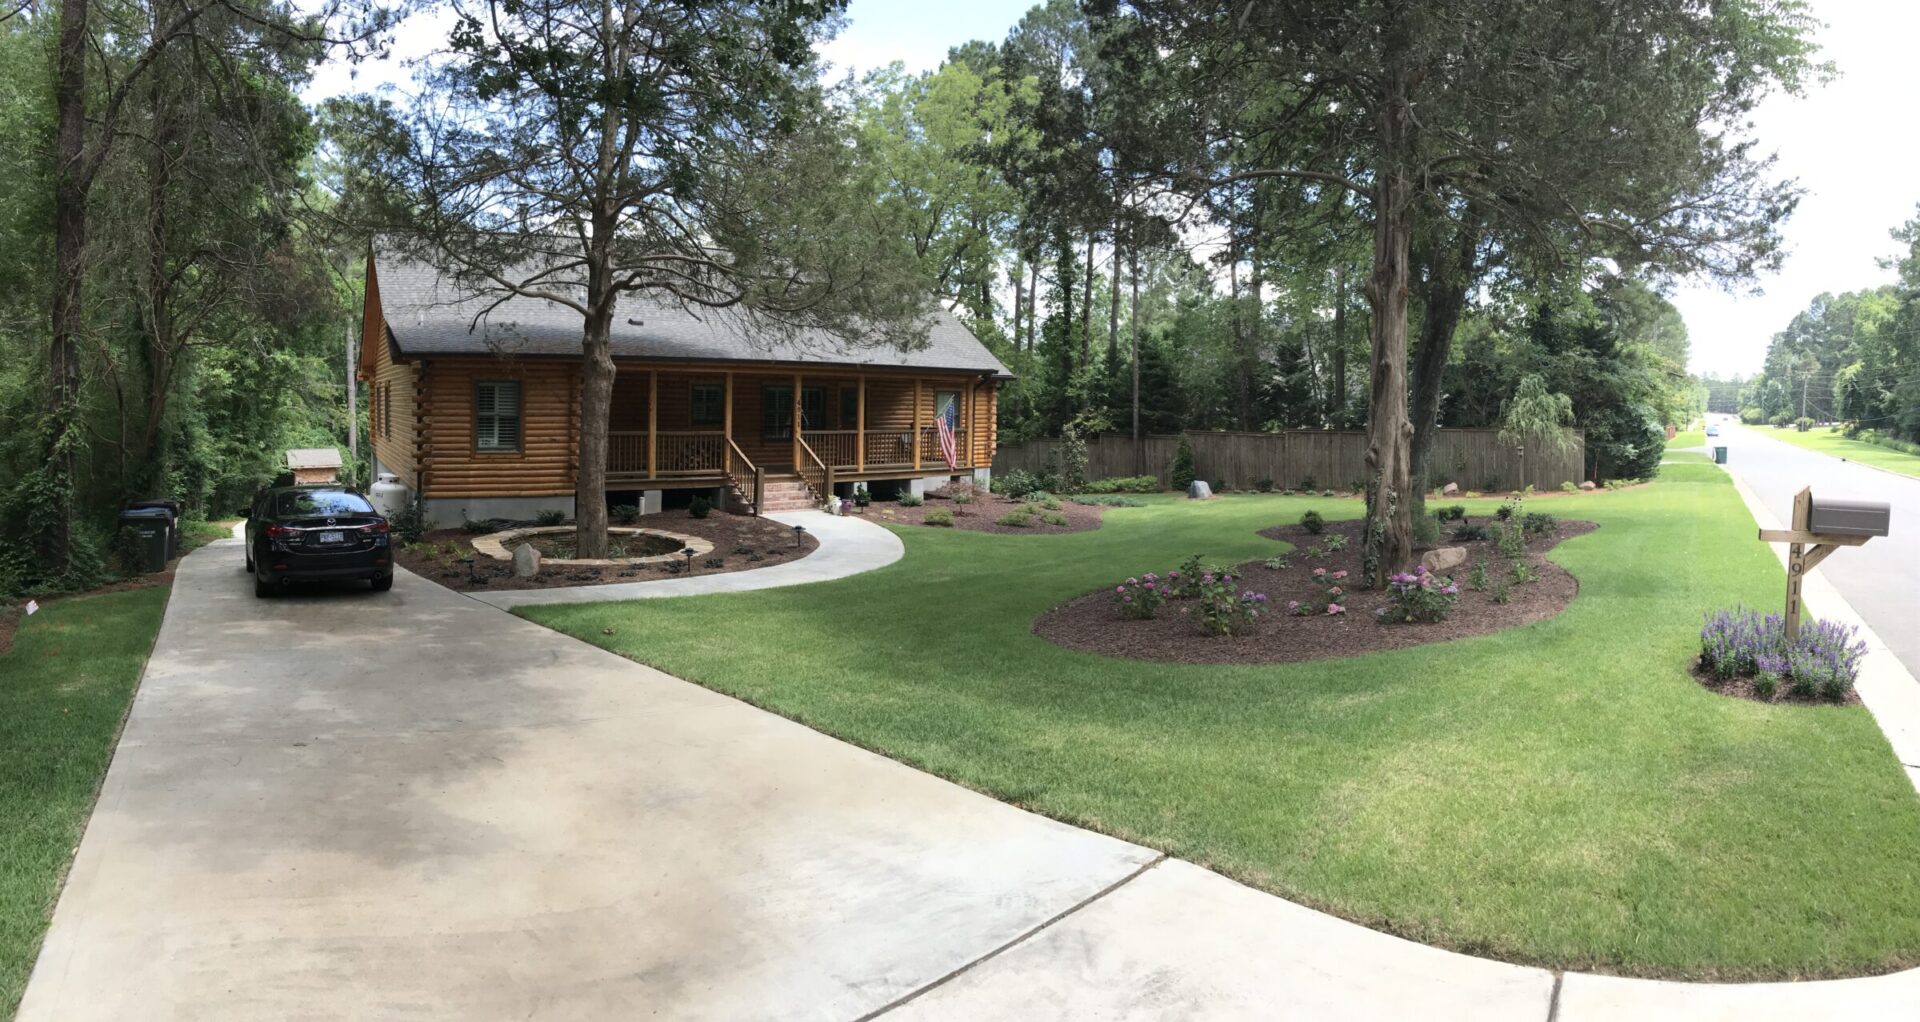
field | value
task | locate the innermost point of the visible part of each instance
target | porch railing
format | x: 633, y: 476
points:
x: 817, y: 474
x: 675, y: 454
x: 930, y: 456
x: 839, y: 448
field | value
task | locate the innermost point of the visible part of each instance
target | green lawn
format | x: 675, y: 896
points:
x: 64, y: 688
x: 1562, y: 794
x: 1688, y: 438
x: 1820, y: 439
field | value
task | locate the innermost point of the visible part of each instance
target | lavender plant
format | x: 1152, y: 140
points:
x: 1741, y: 643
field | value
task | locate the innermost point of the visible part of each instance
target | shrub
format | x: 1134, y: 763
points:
x: 1181, y: 473
x: 1766, y: 684
x: 1336, y: 543
x: 1224, y: 609
x: 962, y: 497
x: 1140, y: 598
x: 1823, y: 661
x: 1426, y: 531
x: 700, y: 507
x: 1539, y: 524
x: 1018, y: 518
x: 1471, y: 494
x: 1124, y: 484
x: 1070, y: 455
x: 1513, y: 541
x: 1108, y: 500
x: 626, y: 514
x: 1524, y: 573
x: 1568, y: 487
x: 551, y: 516
x: 1307, y: 484
x: 478, y: 526
x: 1020, y: 484
x: 1050, y: 503
x: 1802, y: 424
x: 1263, y: 485
x: 1468, y: 532
x: 1477, y: 577
x: 1451, y: 513
x: 1328, y: 603
x: 908, y: 498
x: 1326, y: 493
x: 1186, y: 578
x: 1419, y: 595
x: 1502, y: 593
x: 1055, y: 518
x: 1316, y: 552
x: 1313, y: 523
x: 1277, y: 563
x: 940, y: 516
x: 409, y: 523
x: 1507, y: 510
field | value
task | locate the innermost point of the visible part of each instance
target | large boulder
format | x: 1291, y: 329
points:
x: 1199, y: 490
x: 1588, y: 485
x: 1450, y: 490
x: 526, y: 561
x: 1441, y: 560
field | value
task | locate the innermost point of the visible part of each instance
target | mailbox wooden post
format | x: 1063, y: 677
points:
x: 1812, y: 537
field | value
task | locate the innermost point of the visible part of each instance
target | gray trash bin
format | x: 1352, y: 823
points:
x: 1719, y: 455
x: 155, y: 527
x: 172, y: 508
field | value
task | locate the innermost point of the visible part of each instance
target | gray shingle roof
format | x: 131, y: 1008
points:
x: 430, y: 314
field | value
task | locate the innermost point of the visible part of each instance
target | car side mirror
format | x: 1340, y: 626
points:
x: 246, y: 512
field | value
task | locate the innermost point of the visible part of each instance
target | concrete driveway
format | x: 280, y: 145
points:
x: 344, y: 804
x: 1878, y: 579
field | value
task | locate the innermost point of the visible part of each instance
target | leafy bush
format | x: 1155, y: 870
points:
x: 1477, y: 577
x: 550, y: 517
x: 1336, y: 543
x: 1124, y: 484
x: 942, y: 517
x: 1537, y: 523
x: 626, y: 514
x: 1055, y: 518
x: 1049, y: 503
x: 1182, y: 473
x: 1018, y: 518
x: 1224, y: 609
x: 1513, y: 541
x: 1803, y: 424
x: 1451, y: 513
x: 1326, y: 493
x: 1502, y: 593
x: 1185, y: 579
x: 1332, y: 591
x: 1020, y: 484
x: 479, y: 526
x: 1507, y: 510
x: 409, y: 523
x: 1140, y: 598
x: 1569, y: 487
x: 1263, y: 485
x: 1313, y: 523
x: 962, y: 497
x: 1468, y: 532
x: 1070, y: 459
x: 1524, y: 573
x: 699, y: 507
x: 1307, y: 484
x: 1419, y: 595
x: 1277, y: 563
x: 908, y: 498
x: 1426, y: 531
x: 1823, y: 661
x: 1108, y: 500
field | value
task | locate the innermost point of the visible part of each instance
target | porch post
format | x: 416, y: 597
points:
x: 796, y: 422
x: 967, y: 451
x: 726, y: 427
x: 860, y: 423
x: 653, y: 419
x: 916, y: 425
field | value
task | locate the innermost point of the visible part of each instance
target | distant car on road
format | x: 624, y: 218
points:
x: 1713, y: 429
x: 298, y: 533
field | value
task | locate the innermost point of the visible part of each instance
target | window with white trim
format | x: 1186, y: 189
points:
x: 496, y: 415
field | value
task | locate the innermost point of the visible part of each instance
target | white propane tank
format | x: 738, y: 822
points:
x: 389, y: 494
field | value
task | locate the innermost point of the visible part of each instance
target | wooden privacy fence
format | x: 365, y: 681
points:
x: 1474, y: 458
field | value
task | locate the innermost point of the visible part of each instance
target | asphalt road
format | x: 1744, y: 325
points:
x: 1880, y: 579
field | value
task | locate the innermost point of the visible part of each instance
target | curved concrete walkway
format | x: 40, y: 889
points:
x: 848, y: 546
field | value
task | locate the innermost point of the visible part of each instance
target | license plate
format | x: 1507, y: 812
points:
x: 333, y: 537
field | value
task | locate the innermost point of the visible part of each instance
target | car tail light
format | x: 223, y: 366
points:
x: 278, y: 532
x: 379, y: 526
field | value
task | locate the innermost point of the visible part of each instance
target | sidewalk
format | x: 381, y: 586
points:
x: 848, y: 546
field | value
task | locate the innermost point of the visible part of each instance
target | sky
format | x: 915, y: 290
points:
x: 1849, y: 144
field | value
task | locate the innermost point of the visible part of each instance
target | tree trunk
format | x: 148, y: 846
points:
x: 1337, y: 410
x: 1133, y: 340
x: 1033, y: 301
x: 1086, y: 309
x: 1388, y: 546
x: 1242, y: 398
x: 1113, y: 305
x: 161, y: 345
x: 596, y: 404
x: 1444, y: 297
x: 1019, y: 284
x: 69, y: 249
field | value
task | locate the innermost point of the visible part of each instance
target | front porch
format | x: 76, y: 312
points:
x: 679, y: 428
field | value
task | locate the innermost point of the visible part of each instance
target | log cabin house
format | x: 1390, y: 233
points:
x: 475, y: 404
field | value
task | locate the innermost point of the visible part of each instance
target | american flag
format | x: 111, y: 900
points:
x: 946, y: 420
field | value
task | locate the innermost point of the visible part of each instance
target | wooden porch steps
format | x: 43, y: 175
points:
x: 783, y: 493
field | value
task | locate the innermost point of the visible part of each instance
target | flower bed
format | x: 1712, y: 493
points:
x: 1306, y: 605
x: 987, y: 512
x: 1746, y: 653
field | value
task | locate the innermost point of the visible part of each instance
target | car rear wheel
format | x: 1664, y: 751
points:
x: 383, y: 583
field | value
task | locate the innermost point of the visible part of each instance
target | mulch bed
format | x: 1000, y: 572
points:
x: 737, y: 540
x: 1742, y: 688
x: 983, y: 515
x: 1090, y: 623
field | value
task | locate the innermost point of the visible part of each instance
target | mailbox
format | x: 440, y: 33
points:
x: 1831, y: 517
